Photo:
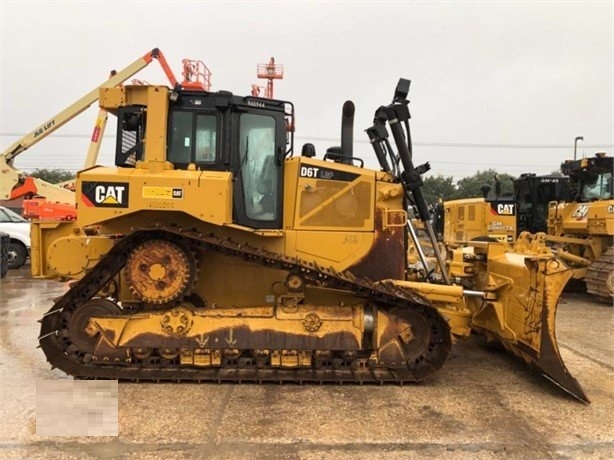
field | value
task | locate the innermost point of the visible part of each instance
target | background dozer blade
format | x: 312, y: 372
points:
x: 523, y: 315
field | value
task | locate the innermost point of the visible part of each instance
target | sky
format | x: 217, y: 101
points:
x: 503, y: 85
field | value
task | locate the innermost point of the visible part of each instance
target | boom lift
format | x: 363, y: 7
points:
x: 59, y: 201
x: 210, y: 252
x: 270, y: 72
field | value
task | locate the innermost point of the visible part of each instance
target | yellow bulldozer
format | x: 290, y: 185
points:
x: 582, y: 229
x: 459, y: 221
x: 500, y: 217
x: 210, y: 251
x: 574, y: 213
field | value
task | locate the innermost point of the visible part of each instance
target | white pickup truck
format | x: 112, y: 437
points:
x: 18, y: 229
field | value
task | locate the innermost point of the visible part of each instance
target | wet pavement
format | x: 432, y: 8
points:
x: 483, y: 404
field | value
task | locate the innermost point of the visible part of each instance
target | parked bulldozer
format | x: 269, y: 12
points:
x: 500, y: 217
x: 582, y: 229
x: 210, y: 251
x: 575, y: 211
x: 459, y: 221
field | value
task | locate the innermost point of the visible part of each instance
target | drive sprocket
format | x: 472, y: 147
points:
x: 159, y: 271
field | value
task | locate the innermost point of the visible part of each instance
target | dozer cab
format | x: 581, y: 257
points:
x: 533, y: 197
x: 209, y: 251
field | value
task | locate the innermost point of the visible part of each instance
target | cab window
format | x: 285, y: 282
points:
x: 192, y: 139
x: 598, y: 188
x: 205, y: 139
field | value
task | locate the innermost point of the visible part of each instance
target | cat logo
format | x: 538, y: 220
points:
x: 580, y: 212
x: 611, y: 209
x: 505, y: 209
x: 109, y: 195
x: 105, y: 194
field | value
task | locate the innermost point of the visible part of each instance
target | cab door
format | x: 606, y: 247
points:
x: 257, y: 160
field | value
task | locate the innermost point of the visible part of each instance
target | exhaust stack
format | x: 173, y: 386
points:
x: 347, y: 132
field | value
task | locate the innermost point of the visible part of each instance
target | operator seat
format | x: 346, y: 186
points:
x: 267, y: 186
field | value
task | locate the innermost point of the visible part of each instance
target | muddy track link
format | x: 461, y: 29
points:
x: 600, y: 276
x: 65, y: 355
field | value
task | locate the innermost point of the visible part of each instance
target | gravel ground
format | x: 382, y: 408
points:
x: 483, y: 404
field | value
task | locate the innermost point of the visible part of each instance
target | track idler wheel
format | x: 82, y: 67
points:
x: 160, y: 271
x: 80, y: 319
x: 416, y: 341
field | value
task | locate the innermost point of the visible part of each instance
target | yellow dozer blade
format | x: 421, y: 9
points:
x: 519, y: 311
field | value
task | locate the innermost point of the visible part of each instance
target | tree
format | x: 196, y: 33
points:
x: 53, y: 176
x: 471, y: 187
x: 439, y: 187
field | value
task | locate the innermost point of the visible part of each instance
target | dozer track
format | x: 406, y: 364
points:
x: 600, y: 276
x: 62, y: 352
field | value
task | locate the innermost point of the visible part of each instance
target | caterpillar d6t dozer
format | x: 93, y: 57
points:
x: 209, y: 252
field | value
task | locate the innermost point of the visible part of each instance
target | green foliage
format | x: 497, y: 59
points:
x: 471, y: 187
x: 53, y: 176
x: 443, y: 188
x: 439, y: 187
